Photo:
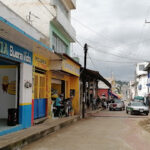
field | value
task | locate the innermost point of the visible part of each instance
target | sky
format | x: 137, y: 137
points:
x: 116, y: 34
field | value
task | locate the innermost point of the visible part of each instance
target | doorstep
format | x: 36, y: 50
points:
x: 40, y: 120
x: 19, y: 139
x: 10, y: 129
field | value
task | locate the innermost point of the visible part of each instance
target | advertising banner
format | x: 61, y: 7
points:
x: 14, y: 52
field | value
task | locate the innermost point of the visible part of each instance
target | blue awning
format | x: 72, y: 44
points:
x: 112, y: 94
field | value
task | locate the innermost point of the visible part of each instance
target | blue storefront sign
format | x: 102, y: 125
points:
x: 14, y: 52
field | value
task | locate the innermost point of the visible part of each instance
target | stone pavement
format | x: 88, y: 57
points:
x: 19, y: 139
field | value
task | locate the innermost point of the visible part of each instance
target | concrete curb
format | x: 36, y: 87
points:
x: 17, y: 140
x: 88, y: 114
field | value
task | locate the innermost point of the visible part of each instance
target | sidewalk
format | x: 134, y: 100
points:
x: 90, y: 112
x: 21, y: 138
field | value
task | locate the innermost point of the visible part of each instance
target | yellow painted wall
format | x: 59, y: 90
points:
x: 74, y: 84
x: 44, y: 65
x: 67, y: 81
x: 48, y: 89
x: 71, y: 67
x: 56, y: 87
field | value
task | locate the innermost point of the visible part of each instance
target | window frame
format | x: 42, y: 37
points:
x: 58, y: 44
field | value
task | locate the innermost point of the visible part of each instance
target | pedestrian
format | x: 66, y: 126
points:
x: 58, y: 104
x: 105, y: 104
x: 94, y: 103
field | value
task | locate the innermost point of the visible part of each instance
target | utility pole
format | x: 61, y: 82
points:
x: 84, y: 80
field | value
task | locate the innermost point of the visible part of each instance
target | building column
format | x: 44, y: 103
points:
x: 25, y: 104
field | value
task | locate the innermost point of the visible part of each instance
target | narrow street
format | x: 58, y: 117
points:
x: 106, y: 130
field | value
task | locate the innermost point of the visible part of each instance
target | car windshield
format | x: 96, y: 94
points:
x: 137, y: 104
x: 117, y: 101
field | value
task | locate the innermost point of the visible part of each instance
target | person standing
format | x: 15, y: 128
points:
x: 58, y: 103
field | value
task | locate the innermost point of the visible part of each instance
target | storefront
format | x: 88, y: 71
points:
x: 15, y: 81
x: 18, y: 40
x: 65, y: 80
x: 41, y: 87
x: 92, y: 91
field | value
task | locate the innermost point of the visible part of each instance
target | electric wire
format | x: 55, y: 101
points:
x: 88, y: 28
x: 92, y: 61
x: 139, y: 41
x: 98, y: 50
x: 109, y: 53
x: 46, y: 8
x: 107, y: 61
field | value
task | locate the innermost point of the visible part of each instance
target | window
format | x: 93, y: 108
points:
x: 58, y: 45
x: 141, y: 67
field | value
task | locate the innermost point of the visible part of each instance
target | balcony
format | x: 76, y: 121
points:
x: 71, y: 4
x: 64, y: 25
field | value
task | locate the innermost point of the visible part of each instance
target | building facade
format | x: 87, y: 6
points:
x: 35, y: 49
x: 141, y: 79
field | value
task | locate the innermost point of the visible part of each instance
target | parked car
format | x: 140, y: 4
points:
x: 117, y: 104
x: 137, y: 107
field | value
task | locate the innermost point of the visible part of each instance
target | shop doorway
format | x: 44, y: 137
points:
x: 40, y: 100
x: 9, y: 90
x: 58, y: 87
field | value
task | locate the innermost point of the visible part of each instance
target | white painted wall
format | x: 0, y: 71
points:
x: 45, y: 11
x: 142, y: 81
x: 23, y: 7
x: 138, y: 72
x: 6, y: 100
x: 132, y: 87
x: 18, y: 21
x: 102, y: 85
x: 25, y: 75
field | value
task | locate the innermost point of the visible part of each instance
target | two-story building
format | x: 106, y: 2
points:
x: 40, y: 34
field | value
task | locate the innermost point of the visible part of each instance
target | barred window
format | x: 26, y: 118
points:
x: 58, y: 45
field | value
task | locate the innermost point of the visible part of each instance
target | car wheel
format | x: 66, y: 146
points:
x: 110, y: 109
x: 146, y: 113
x: 126, y: 111
x: 131, y: 112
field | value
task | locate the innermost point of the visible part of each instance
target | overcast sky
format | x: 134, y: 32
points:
x: 116, y: 27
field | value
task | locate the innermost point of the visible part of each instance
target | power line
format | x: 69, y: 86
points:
x: 139, y: 41
x: 133, y: 62
x: 47, y: 8
x: 124, y: 57
x: 90, y: 29
x: 112, y: 61
x: 92, y: 62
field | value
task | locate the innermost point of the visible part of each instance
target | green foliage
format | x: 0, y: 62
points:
x: 122, y: 82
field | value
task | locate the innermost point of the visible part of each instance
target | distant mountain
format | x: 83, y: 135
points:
x: 122, y: 82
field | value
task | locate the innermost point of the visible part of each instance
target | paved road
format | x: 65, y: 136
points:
x: 103, y: 131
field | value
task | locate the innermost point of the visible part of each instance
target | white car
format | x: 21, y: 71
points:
x: 137, y: 107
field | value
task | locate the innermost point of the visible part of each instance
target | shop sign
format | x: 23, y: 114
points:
x: 71, y: 68
x: 14, y: 52
x: 40, y: 62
